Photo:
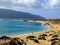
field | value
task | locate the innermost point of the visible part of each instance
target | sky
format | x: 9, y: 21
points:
x: 44, y: 8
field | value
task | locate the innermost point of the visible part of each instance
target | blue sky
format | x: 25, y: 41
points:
x: 47, y: 13
x: 45, y: 8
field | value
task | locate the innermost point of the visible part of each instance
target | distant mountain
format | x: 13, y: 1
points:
x: 10, y: 14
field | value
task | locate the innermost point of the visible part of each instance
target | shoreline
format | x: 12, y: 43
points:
x: 34, y: 33
x: 37, y: 33
x: 42, y: 23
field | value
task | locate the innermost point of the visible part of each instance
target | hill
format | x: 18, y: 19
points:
x: 10, y: 14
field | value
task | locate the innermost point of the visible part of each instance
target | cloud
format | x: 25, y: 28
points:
x: 15, y: 4
x: 29, y: 4
x: 53, y: 4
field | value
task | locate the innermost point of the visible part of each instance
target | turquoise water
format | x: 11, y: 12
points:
x: 9, y: 27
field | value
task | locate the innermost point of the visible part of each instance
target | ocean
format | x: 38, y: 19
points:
x: 13, y: 27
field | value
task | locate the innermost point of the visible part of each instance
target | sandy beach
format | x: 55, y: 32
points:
x: 49, y: 37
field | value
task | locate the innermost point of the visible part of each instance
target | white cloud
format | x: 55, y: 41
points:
x: 29, y: 4
x: 20, y: 4
x: 53, y: 4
